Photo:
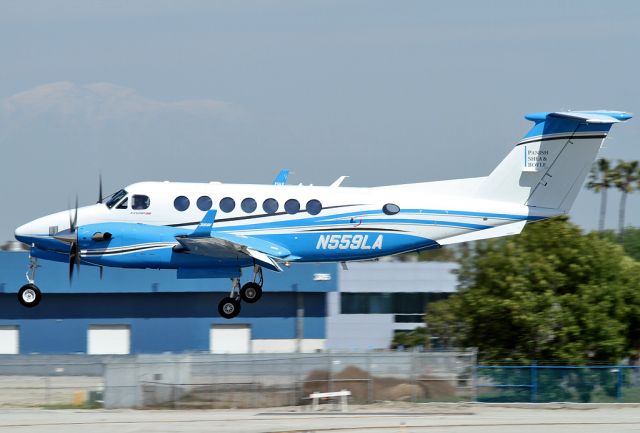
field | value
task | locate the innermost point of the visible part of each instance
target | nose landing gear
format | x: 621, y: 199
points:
x: 29, y: 295
x: 229, y: 307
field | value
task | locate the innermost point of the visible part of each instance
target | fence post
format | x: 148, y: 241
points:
x: 619, y: 383
x: 330, y: 375
x: 414, y: 376
x: 474, y: 375
x: 370, y: 380
x: 534, y: 381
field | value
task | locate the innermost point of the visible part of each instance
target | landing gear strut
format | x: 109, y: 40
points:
x: 29, y: 295
x: 229, y: 307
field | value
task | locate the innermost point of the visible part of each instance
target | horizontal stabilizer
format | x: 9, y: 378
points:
x: 599, y: 116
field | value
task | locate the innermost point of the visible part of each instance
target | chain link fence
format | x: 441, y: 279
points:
x: 555, y: 383
x: 233, y: 381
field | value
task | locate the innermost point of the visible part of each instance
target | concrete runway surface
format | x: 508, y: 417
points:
x: 464, y: 418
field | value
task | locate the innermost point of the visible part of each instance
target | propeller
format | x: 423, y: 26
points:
x: 74, y: 251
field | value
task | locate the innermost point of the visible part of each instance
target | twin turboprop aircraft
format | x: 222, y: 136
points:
x: 214, y: 230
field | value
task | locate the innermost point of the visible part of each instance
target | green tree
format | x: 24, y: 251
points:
x: 417, y: 337
x: 551, y: 293
x: 630, y: 240
x: 600, y: 180
x: 626, y: 177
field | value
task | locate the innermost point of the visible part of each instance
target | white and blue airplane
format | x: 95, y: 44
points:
x: 215, y: 230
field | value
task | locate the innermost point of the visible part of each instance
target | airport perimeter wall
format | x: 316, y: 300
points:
x: 234, y: 380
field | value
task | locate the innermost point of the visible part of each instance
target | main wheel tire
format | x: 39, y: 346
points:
x: 250, y: 293
x: 29, y: 295
x: 229, y: 308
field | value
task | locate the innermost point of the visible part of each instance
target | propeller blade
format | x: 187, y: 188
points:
x: 73, y: 252
x: 75, y: 215
x: 100, y: 188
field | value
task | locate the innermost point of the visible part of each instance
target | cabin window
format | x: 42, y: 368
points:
x: 181, y: 203
x: 248, y: 205
x: 227, y: 204
x: 115, y: 198
x: 390, y: 209
x: 140, y: 202
x: 123, y: 204
x: 270, y: 205
x: 204, y: 203
x: 292, y: 206
x: 314, y: 206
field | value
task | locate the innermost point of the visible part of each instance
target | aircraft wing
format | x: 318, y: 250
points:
x: 206, y: 242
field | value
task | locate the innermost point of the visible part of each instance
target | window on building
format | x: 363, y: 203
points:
x: 140, y: 202
x: 390, y: 209
x: 181, y: 203
x: 204, y: 203
x: 270, y: 205
x: 9, y: 340
x: 227, y: 204
x: 292, y: 206
x: 388, y: 303
x: 248, y: 205
x: 109, y: 340
x: 314, y: 207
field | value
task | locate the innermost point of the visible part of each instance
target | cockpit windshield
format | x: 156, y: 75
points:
x: 115, y: 198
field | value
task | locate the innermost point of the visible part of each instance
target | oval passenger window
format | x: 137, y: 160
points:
x: 248, y: 205
x: 181, y: 203
x: 227, y: 204
x: 314, y: 207
x: 292, y: 206
x: 390, y: 209
x: 204, y: 203
x: 270, y: 205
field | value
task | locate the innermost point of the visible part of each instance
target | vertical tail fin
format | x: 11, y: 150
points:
x: 548, y: 166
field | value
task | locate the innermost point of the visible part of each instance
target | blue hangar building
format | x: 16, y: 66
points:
x: 306, y: 308
x: 151, y: 311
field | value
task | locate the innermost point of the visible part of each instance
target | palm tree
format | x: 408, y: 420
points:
x: 626, y: 175
x: 600, y: 180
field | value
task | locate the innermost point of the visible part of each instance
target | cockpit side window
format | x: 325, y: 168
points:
x: 140, y: 202
x: 123, y: 204
x: 115, y: 198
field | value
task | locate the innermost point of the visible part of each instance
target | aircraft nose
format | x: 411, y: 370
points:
x: 24, y: 232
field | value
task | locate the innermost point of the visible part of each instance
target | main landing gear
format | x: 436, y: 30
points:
x: 29, y: 295
x: 229, y: 307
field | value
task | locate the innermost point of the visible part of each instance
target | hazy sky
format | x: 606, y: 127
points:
x: 386, y: 92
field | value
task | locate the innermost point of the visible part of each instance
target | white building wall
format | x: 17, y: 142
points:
x: 375, y: 331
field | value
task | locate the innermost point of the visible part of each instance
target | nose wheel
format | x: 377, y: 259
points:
x: 29, y: 295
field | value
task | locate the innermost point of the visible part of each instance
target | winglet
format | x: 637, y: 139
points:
x: 281, y: 178
x: 204, y: 228
x: 338, y: 181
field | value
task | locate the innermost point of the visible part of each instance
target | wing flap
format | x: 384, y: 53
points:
x: 227, y: 245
